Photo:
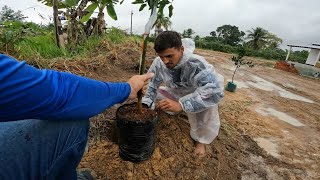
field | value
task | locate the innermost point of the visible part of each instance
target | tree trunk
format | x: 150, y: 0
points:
x: 79, y: 10
x: 58, y: 26
x: 100, y: 25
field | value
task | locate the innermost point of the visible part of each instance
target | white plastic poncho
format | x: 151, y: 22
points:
x: 195, y: 85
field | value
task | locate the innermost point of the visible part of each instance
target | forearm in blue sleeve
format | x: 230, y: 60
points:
x: 27, y: 92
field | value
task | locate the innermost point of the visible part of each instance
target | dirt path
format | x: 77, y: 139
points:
x: 270, y: 130
x: 282, y: 114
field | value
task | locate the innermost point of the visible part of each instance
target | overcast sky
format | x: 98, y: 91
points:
x: 294, y: 21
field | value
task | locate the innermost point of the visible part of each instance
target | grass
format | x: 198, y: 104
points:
x: 42, y: 46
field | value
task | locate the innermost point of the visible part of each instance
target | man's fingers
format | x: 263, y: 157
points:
x: 148, y: 76
x: 163, y: 104
x: 144, y: 89
x: 146, y: 83
x: 160, y: 104
x: 165, y: 107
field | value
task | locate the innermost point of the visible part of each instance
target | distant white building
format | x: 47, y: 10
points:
x: 314, y: 54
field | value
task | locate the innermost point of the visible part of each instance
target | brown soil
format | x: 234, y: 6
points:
x: 291, y: 152
x: 131, y: 113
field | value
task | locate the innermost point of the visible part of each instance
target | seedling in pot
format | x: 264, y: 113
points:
x: 238, y: 62
x: 154, y: 5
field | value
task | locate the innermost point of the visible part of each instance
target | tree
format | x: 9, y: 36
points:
x: 273, y: 41
x: 257, y: 38
x: 154, y: 5
x: 201, y: 42
x: 7, y: 14
x: 213, y: 34
x: 197, y: 37
x: 229, y: 34
x: 188, y: 33
x: 161, y: 21
x: 78, y: 9
x: 238, y: 60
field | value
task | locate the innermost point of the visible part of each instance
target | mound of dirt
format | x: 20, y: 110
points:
x: 173, y: 156
x: 282, y: 65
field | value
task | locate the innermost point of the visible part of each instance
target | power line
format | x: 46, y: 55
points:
x: 30, y: 8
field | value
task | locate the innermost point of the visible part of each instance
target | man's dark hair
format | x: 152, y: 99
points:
x: 166, y: 40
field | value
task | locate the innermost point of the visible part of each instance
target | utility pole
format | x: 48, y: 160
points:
x: 131, y: 23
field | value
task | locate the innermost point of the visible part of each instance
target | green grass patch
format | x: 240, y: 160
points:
x: 43, y: 46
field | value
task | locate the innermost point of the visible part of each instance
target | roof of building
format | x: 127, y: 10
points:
x: 313, y: 46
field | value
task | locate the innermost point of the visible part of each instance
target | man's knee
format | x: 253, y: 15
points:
x: 34, y: 146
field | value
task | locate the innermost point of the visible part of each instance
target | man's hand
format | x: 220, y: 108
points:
x: 137, y: 82
x: 145, y: 87
x: 169, y: 105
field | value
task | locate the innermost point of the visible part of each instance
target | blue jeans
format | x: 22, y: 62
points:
x: 38, y: 149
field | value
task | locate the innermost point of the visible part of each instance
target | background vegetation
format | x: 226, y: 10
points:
x: 27, y: 40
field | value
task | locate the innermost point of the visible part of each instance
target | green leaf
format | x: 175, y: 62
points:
x: 151, y: 3
x: 92, y: 7
x: 71, y: 3
x: 111, y: 11
x: 142, y: 7
x: 106, y: 1
x: 121, y: 1
x: 7, y: 23
x: 86, y: 17
x: 170, y: 10
x: 138, y: 2
x: 161, y: 7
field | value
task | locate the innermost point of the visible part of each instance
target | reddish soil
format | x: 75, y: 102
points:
x: 282, y: 65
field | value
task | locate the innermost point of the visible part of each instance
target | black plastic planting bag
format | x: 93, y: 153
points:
x: 136, y: 138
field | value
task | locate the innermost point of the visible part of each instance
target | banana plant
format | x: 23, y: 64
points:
x: 101, y: 5
x: 80, y: 9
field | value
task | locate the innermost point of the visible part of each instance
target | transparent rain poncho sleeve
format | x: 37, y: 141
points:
x: 207, y: 83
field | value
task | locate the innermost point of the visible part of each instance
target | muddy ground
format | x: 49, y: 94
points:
x: 270, y: 130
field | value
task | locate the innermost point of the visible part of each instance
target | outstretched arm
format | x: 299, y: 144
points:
x: 27, y: 92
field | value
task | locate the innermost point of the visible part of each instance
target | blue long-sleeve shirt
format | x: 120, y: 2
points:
x: 30, y: 93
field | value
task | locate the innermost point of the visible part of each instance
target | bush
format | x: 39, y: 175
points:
x: 216, y: 46
x: 268, y: 53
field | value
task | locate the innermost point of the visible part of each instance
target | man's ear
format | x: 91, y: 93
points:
x: 182, y: 49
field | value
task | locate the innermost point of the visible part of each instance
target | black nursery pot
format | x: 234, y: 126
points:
x: 136, y: 136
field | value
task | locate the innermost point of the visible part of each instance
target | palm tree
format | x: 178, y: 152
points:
x: 258, y: 38
x: 161, y: 21
x: 273, y: 41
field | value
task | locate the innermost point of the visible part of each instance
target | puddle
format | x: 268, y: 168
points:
x: 290, y: 95
x: 268, y: 86
x: 268, y: 145
x: 280, y: 115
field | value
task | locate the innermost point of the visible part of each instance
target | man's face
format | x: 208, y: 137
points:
x: 171, y: 57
